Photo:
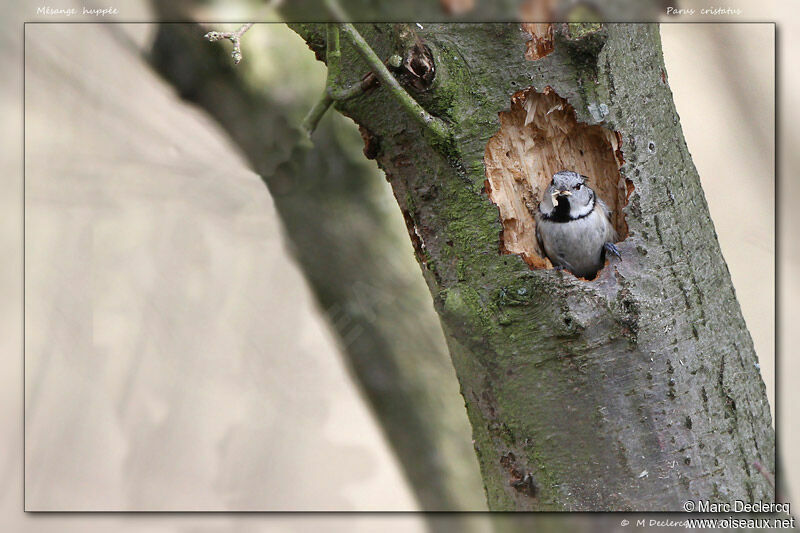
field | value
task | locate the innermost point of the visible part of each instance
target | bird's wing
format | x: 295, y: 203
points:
x: 600, y: 203
x: 611, y: 235
x: 539, y: 239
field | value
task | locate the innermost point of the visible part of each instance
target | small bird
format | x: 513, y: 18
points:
x: 573, y: 226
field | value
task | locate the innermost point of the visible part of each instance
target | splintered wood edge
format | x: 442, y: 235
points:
x: 541, y: 33
x: 538, y: 137
x: 541, y: 41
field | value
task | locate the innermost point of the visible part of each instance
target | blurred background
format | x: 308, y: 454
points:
x: 194, y: 341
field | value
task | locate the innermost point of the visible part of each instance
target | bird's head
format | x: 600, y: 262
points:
x: 569, y: 194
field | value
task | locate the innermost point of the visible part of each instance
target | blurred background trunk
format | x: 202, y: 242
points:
x: 350, y: 243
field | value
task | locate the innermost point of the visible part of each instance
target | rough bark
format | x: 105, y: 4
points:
x: 638, y: 390
x: 333, y: 208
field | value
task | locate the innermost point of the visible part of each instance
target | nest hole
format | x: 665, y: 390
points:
x: 538, y: 137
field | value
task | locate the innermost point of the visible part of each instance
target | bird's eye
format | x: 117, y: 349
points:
x: 578, y: 186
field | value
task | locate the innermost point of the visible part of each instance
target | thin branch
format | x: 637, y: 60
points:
x: 351, y: 92
x: 333, y: 57
x: 316, y: 113
x: 435, y: 125
x: 332, y: 91
x: 333, y: 54
x: 379, y: 72
x: 232, y: 36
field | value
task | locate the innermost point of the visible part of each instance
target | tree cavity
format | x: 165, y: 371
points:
x: 538, y: 137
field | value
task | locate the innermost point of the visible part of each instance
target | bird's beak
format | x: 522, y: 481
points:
x: 559, y: 193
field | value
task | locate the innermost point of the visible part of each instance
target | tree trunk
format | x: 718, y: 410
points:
x: 355, y: 258
x: 637, y: 390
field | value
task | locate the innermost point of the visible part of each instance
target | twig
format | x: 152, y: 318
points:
x: 333, y: 57
x: 332, y: 90
x: 232, y: 36
x: 435, y: 125
x: 316, y: 113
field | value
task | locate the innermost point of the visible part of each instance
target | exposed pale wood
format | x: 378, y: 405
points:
x: 541, y: 42
x: 538, y: 137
